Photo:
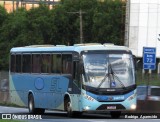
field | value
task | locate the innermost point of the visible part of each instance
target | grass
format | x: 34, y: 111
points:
x: 5, y: 120
x: 151, y: 79
x: 9, y: 105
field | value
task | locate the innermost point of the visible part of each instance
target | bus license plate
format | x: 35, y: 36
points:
x: 111, y: 107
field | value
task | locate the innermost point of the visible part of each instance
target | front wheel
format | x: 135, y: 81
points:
x: 68, y: 108
x: 31, y: 106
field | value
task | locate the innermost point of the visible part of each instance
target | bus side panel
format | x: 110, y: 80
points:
x: 15, y: 95
x: 52, y: 96
x: 48, y: 90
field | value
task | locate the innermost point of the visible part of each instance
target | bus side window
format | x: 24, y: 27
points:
x: 56, y: 63
x: 67, y: 64
x: 18, y: 63
x: 26, y: 63
x: 46, y: 62
x: 13, y: 63
x: 36, y: 63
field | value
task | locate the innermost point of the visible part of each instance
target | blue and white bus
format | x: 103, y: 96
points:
x: 77, y: 79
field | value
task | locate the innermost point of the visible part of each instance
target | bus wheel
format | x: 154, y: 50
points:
x: 69, y: 108
x: 115, y: 114
x: 32, y: 108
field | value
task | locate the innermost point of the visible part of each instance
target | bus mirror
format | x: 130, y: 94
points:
x: 75, y: 56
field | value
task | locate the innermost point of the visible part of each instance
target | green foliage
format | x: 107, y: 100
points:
x: 5, y: 120
x: 107, y: 22
x: 12, y: 34
x: 39, y: 25
x: 103, y: 22
x: 3, y: 15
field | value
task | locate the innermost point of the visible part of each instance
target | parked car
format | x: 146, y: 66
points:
x: 148, y: 93
x: 148, y: 98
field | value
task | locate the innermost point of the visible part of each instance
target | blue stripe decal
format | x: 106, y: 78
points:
x: 110, y: 97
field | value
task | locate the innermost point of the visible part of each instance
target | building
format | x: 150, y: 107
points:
x: 11, y: 5
x: 143, y: 26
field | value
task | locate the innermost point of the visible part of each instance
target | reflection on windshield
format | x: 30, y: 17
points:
x: 108, y: 70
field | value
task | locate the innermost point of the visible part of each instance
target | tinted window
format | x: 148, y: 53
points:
x: 18, y: 63
x: 155, y: 92
x: 36, y: 63
x: 26, y: 63
x: 67, y: 63
x: 56, y: 63
x: 46, y: 63
x: 13, y: 63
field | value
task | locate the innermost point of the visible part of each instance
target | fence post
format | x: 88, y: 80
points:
x: 158, y: 68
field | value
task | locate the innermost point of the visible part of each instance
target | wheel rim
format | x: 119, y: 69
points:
x: 30, y: 106
x: 68, y: 106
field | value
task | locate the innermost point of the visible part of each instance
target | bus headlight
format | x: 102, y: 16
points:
x: 86, y: 108
x: 133, y: 106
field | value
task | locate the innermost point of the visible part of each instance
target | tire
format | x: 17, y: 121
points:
x: 68, y: 108
x: 115, y: 114
x: 31, y: 106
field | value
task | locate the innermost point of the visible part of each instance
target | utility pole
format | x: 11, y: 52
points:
x: 81, y: 24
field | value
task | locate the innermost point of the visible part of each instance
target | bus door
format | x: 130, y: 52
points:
x: 76, y: 86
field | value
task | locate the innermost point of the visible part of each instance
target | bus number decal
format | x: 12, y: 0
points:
x: 55, y: 85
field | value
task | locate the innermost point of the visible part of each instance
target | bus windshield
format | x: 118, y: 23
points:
x: 103, y: 70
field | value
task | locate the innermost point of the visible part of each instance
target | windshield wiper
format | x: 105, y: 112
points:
x: 111, y: 75
x: 106, y: 76
x: 115, y: 76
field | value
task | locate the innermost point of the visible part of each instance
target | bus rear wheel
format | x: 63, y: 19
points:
x: 31, y: 106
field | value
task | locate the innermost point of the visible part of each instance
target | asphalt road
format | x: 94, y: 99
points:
x: 55, y: 116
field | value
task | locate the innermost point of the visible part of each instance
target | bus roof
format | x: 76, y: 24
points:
x: 77, y: 48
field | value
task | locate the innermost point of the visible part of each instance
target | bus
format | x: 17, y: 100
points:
x: 75, y: 79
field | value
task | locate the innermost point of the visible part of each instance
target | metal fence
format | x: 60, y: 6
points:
x: 4, y: 87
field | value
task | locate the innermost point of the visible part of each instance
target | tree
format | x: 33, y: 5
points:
x: 39, y: 25
x: 10, y: 31
x: 102, y: 23
x: 3, y: 15
x: 67, y: 21
x: 107, y: 22
x: 60, y: 26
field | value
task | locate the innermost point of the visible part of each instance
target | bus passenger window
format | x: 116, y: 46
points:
x: 46, y: 62
x: 36, y: 63
x: 13, y: 63
x: 56, y: 63
x: 26, y: 63
x: 66, y: 63
x: 18, y: 63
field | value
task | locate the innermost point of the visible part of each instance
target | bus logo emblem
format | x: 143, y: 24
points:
x: 113, y: 84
